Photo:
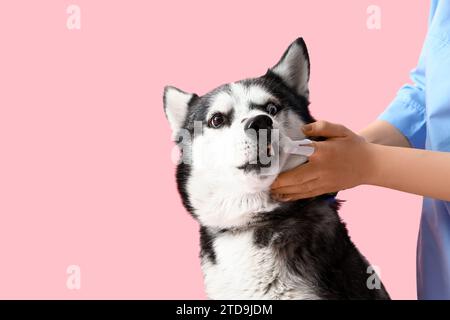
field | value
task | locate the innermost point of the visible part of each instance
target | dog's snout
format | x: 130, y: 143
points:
x: 259, y: 122
x: 259, y: 129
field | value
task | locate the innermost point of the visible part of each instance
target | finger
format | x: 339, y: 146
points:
x: 316, y: 191
x: 295, y: 176
x: 325, y: 129
x: 297, y: 196
x: 297, y: 188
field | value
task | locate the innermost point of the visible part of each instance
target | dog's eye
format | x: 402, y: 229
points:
x: 216, y: 120
x: 271, y: 108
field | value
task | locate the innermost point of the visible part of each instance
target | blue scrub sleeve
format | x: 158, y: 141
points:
x: 407, y: 111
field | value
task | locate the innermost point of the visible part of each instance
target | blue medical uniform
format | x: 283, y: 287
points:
x: 421, y: 111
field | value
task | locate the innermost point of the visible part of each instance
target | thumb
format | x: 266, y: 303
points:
x: 325, y: 129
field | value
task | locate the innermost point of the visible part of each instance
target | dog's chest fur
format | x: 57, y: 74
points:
x: 244, y: 270
x: 300, y: 250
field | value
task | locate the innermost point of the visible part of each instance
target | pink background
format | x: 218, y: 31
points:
x: 85, y: 170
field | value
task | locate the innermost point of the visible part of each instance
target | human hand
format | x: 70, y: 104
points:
x: 342, y: 161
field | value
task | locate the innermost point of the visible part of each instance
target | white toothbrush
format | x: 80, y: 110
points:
x: 299, y: 147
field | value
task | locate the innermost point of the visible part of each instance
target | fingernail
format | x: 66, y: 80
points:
x: 281, y: 197
x: 276, y: 194
x: 307, y: 128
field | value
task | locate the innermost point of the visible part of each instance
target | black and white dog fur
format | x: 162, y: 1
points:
x: 253, y: 247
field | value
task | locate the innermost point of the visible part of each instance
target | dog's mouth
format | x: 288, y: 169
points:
x: 263, y: 160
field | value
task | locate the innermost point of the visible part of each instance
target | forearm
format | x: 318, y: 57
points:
x: 345, y: 160
x: 382, y: 132
x: 421, y: 172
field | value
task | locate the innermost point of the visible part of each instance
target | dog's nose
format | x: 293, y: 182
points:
x: 259, y: 122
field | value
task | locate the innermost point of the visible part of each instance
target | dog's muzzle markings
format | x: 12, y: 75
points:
x: 259, y: 129
x: 253, y: 247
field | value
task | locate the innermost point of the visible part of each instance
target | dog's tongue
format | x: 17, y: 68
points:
x: 299, y: 147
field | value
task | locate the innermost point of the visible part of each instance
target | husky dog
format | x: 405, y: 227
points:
x: 252, y: 246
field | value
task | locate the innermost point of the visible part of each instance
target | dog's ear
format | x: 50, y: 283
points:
x: 293, y: 67
x: 176, y: 104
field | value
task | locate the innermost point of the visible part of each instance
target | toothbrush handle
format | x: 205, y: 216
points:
x: 306, y: 151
